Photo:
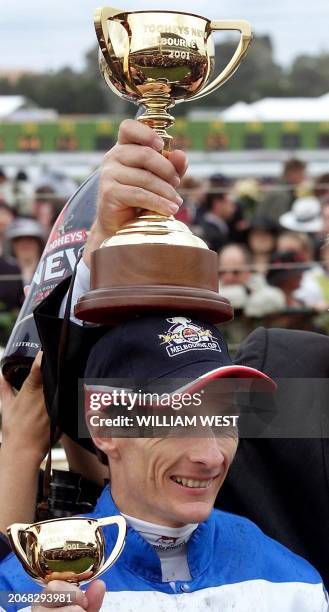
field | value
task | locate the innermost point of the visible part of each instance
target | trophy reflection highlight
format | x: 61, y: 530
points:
x: 69, y: 549
x: 157, y: 59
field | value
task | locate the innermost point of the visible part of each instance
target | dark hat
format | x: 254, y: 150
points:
x: 220, y: 180
x: 262, y: 222
x: 21, y: 176
x: 155, y: 351
x: 285, y: 264
x: 218, y: 184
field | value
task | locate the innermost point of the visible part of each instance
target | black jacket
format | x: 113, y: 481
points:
x: 283, y: 484
x: 11, y: 291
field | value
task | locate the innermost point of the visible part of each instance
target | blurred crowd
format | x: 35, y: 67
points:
x: 28, y: 210
x: 270, y: 236
x: 271, y: 239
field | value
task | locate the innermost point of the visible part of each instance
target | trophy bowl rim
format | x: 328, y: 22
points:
x: 62, y: 519
x: 157, y: 11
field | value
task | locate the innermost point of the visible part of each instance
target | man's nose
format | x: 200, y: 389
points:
x: 206, y: 451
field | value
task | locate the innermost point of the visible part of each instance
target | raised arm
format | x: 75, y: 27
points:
x: 135, y: 175
x: 25, y: 441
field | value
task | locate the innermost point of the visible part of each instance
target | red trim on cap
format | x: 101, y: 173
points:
x: 232, y: 371
x: 245, y: 373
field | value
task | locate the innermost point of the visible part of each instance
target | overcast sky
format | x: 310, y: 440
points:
x: 48, y: 34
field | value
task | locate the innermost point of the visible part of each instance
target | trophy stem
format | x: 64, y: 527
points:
x: 157, y: 118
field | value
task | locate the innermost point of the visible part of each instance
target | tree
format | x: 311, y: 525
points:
x: 6, y: 87
x: 69, y: 91
x: 309, y: 75
x: 113, y: 103
x: 258, y: 74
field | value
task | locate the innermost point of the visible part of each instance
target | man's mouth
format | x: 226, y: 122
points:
x: 192, y: 484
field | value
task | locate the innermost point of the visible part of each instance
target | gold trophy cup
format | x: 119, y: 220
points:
x: 157, y: 59
x: 69, y: 549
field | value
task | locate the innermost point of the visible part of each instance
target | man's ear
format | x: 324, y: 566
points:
x: 101, y: 434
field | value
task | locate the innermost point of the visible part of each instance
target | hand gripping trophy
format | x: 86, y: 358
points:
x: 155, y: 59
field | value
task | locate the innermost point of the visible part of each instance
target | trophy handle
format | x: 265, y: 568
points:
x: 244, y: 28
x: 117, y: 550
x: 102, y: 15
x: 13, y: 532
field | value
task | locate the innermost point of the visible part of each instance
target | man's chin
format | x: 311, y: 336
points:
x: 196, y: 512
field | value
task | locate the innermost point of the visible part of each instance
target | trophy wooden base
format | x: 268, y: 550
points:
x: 130, y: 280
x: 118, y: 304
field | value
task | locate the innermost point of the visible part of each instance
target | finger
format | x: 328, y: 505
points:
x: 75, y: 595
x: 60, y: 606
x: 137, y: 197
x: 34, y: 379
x: 179, y: 161
x: 95, y: 595
x: 135, y: 132
x: 72, y: 608
x: 61, y: 586
x: 146, y: 158
x: 7, y: 394
x: 147, y: 180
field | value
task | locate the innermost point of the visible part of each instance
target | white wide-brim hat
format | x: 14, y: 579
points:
x: 304, y: 216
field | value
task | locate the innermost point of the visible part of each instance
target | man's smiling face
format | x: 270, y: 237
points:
x: 170, y: 481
